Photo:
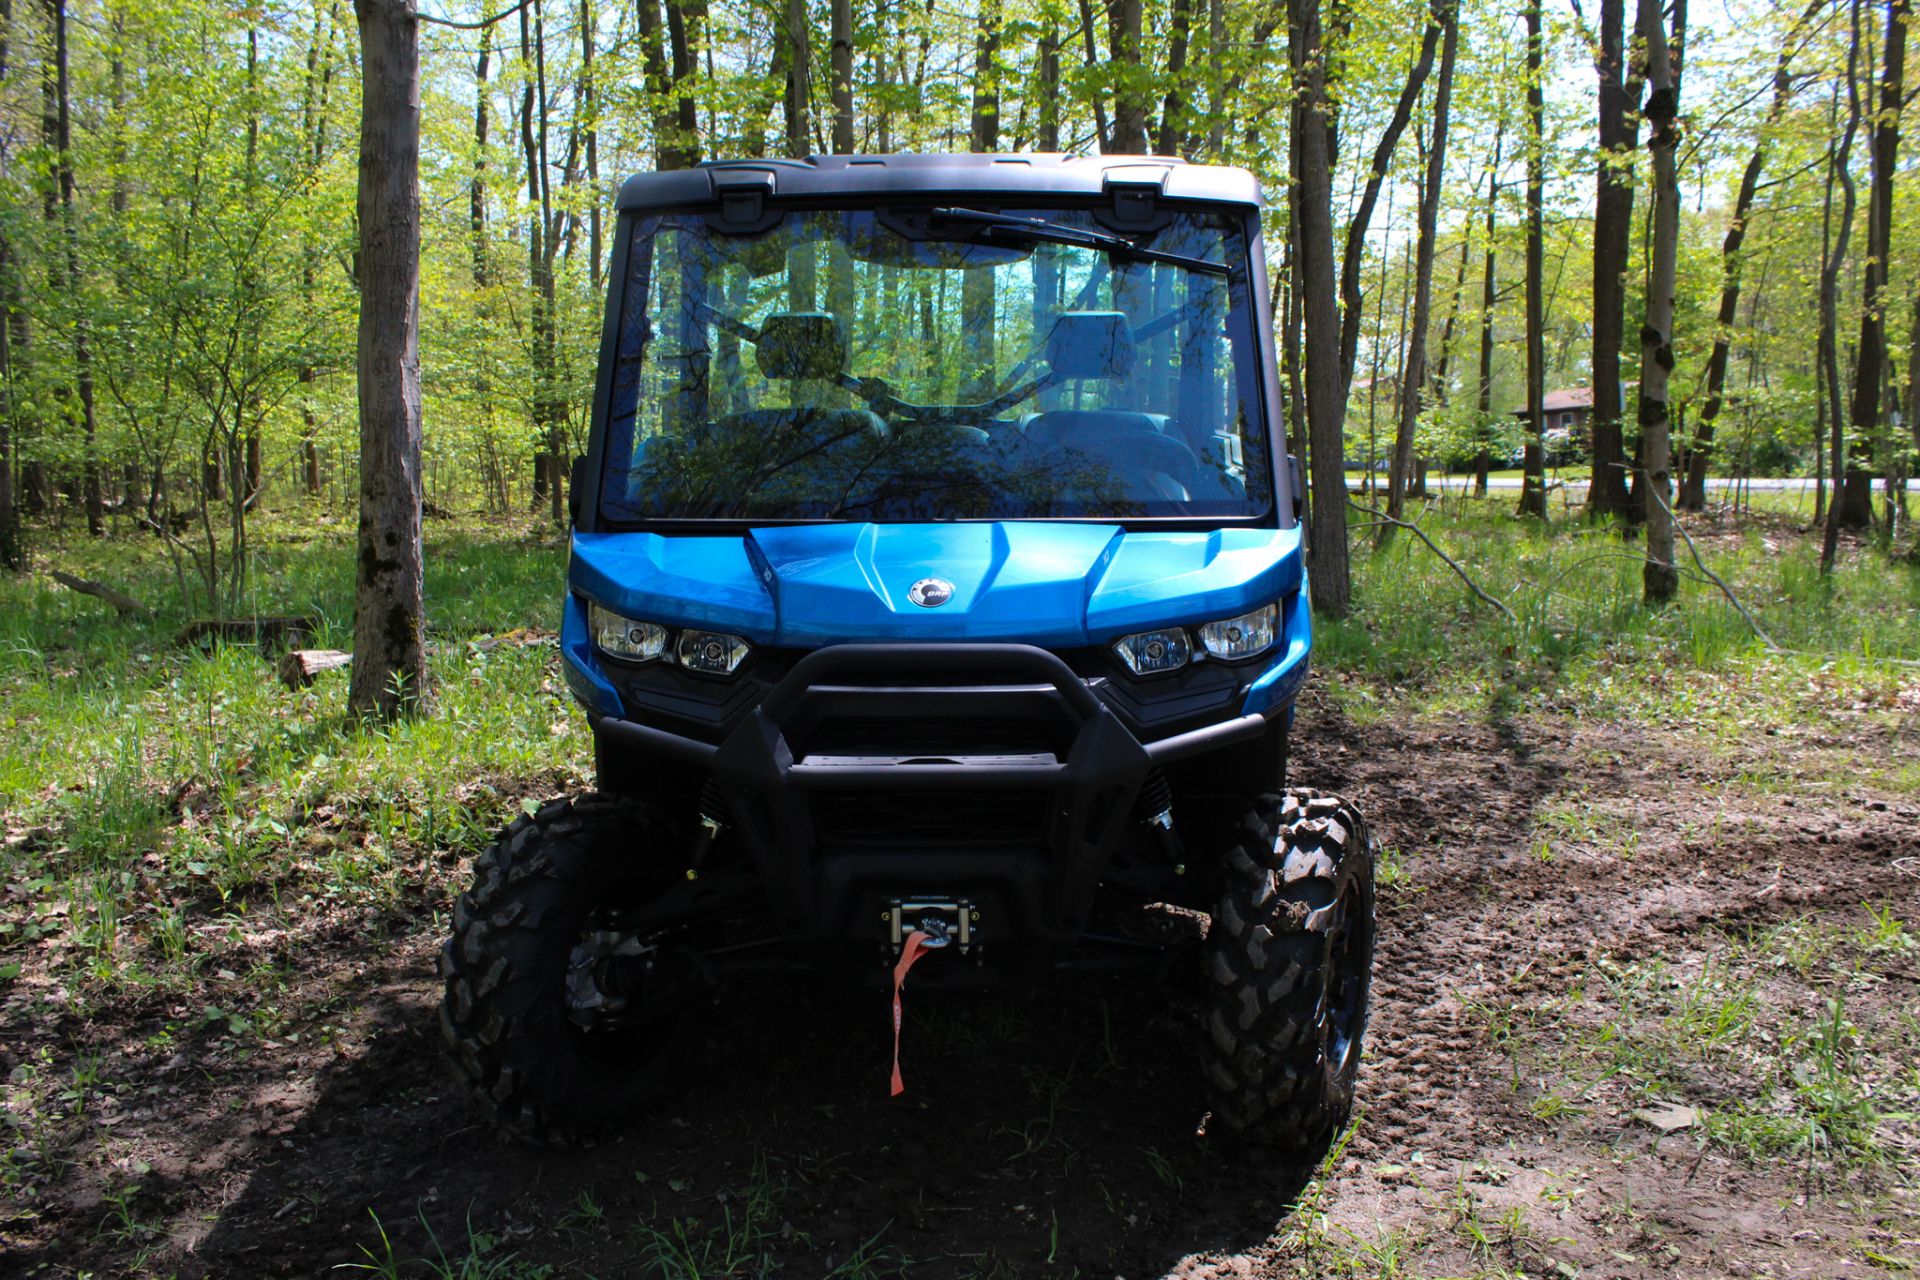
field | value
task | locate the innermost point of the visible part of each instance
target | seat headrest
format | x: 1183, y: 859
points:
x: 801, y: 344
x: 1090, y: 344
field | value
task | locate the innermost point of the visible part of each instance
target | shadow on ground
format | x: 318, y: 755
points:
x: 1040, y: 1135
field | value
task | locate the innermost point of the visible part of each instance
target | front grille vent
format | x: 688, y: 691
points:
x: 920, y: 818
x: 937, y: 737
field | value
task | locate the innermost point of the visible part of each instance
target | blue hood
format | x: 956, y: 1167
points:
x: 1054, y: 585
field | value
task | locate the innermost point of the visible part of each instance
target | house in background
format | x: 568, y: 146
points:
x: 1564, y: 416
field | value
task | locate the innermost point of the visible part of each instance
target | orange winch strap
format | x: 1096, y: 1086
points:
x: 915, y: 948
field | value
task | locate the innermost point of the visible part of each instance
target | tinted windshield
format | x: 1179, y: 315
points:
x: 920, y: 365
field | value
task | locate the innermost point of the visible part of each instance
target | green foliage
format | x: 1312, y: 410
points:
x: 151, y: 789
x: 214, y: 152
x: 1582, y: 637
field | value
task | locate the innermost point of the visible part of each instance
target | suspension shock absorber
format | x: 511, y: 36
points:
x: 713, y: 820
x: 1154, y: 807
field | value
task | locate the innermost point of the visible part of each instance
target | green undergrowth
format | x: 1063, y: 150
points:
x: 153, y: 789
x: 1581, y: 640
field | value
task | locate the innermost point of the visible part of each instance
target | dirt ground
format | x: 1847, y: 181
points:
x: 1054, y: 1134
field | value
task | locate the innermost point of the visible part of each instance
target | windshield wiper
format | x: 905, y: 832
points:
x: 1007, y: 224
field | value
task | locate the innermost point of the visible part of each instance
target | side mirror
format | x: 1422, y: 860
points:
x: 576, y: 479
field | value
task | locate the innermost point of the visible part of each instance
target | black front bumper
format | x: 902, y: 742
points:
x: 990, y: 772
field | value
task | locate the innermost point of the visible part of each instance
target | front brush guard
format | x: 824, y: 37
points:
x: 825, y: 894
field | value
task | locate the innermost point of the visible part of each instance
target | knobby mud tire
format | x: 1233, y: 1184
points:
x: 1288, y: 961
x: 505, y: 1015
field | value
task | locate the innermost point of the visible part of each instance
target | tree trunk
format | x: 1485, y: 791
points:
x: 1612, y: 238
x: 1103, y: 131
x: 71, y: 282
x: 1413, y: 379
x: 1693, y: 495
x: 1354, y: 259
x: 1292, y: 335
x: 1533, y: 484
x: 1853, y: 502
x: 1327, y: 557
x: 1838, y: 170
x: 1913, y: 379
x: 976, y: 283
x: 1483, y: 404
x: 1367, y: 481
x: 1173, y: 110
x: 1049, y: 140
x: 983, y: 124
x: 1130, y: 90
x: 1443, y: 367
x: 11, y: 556
x: 589, y: 88
x: 313, y: 122
x: 1660, y: 579
x: 841, y: 59
x: 477, y: 185
x: 540, y: 254
x: 1217, y: 78
x: 799, y: 79
x: 12, y: 323
x: 686, y: 35
x: 653, y: 61
x: 389, y: 668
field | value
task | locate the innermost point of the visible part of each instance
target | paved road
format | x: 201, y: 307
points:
x: 1796, y: 484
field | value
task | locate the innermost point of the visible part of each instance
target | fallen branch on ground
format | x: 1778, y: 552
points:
x: 1717, y: 580
x: 268, y: 631
x: 1452, y: 564
x: 120, y: 600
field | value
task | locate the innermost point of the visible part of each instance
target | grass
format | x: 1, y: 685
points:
x: 1583, y: 641
x: 479, y: 1257
x: 148, y: 786
x: 1760, y: 1034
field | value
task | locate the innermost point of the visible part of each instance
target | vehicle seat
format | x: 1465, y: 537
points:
x: 797, y: 347
x: 795, y: 458
x: 1099, y: 344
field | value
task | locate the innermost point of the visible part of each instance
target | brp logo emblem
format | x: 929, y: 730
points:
x: 930, y: 593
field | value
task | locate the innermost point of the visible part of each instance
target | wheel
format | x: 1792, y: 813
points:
x: 1289, y: 958
x: 568, y: 1007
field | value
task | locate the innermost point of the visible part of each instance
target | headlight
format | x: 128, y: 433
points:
x: 624, y: 637
x: 712, y: 652
x: 1151, y: 652
x: 1241, y: 637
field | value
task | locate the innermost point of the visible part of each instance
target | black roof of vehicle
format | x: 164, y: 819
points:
x: 995, y: 175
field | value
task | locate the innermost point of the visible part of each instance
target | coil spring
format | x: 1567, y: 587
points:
x: 1155, y: 798
x: 713, y: 804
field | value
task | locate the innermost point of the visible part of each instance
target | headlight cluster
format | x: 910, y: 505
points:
x: 710, y: 652
x: 1147, y: 653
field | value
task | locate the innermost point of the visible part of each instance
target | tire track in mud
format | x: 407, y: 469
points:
x: 1481, y: 925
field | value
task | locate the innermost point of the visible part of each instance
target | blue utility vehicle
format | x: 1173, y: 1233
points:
x: 936, y: 583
